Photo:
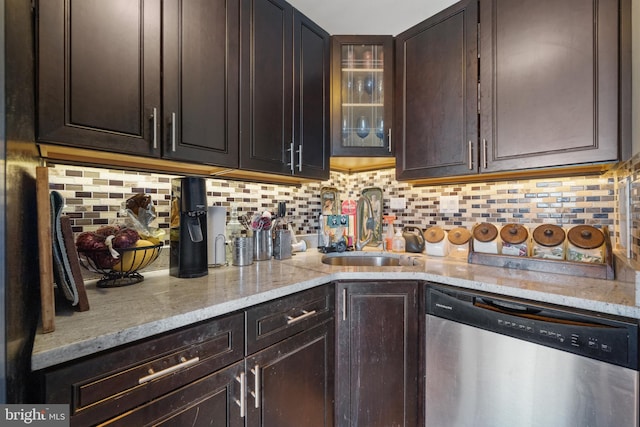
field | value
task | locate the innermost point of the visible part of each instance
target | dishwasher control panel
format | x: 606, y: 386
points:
x: 605, y: 338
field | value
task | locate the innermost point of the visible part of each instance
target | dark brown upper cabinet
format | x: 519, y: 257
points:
x: 143, y: 77
x: 284, y: 91
x: 201, y: 55
x: 361, y: 95
x: 436, y: 123
x: 548, y: 83
x: 511, y: 86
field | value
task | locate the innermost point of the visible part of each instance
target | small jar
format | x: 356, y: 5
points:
x: 459, y: 242
x: 436, y: 243
x: 548, y: 242
x: 585, y: 244
x: 398, y: 244
x: 515, y: 240
x: 485, y: 238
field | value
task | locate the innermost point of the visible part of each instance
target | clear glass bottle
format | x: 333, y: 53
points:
x: 399, y: 244
x: 234, y: 228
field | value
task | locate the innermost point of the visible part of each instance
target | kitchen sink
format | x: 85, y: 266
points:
x: 364, y: 260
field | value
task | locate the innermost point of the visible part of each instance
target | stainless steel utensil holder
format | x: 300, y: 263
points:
x: 262, y: 245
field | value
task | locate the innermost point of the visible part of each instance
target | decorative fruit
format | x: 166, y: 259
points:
x: 133, y: 260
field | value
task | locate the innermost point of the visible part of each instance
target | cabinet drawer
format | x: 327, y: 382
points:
x: 274, y: 321
x: 111, y: 383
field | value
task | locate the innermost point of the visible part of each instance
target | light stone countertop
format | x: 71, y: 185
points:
x: 161, y: 302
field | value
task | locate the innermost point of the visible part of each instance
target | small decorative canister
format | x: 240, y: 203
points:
x: 436, y: 242
x: 485, y: 238
x: 515, y: 240
x: 548, y: 242
x: 585, y: 244
x: 459, y: 242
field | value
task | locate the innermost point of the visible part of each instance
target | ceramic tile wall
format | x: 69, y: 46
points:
x: 94, y: 196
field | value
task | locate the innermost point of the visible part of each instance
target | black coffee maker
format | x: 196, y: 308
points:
x: 188, y: 233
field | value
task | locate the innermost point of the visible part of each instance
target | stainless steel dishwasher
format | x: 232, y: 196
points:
x: 493, y: 361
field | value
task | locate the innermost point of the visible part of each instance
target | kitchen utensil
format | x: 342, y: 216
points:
x: 188, y: 256
x: 242, y: 251
x: 369, y: 84
x: 414, y: 239
x: 515, y: 239
x: 74, y: 262
x: 548, y: 242
x: 437, y: 242
x: 45, y: 250
x: 363, y: 127
x: 62, y: 268
x: 485, y: 238
x: 380, y: 128
x: 262, y: 245
x: 124, y: 273
x: 282, y: 244
x: 459, y: 242
x: 585, y: 244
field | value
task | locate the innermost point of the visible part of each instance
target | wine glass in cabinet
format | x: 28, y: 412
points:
x: 361, y: 96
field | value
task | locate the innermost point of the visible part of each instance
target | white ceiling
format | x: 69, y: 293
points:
x: 385, y: 17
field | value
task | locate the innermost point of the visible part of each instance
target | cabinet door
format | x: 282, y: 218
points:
x: 436, y: 123
x: 377, y: 354
x: 361, y: 95
x: 311, y: 102
x: 549, y: 83
x: 210, y: 401
x: 266, y: 85
x: 99, y: 74
x: 291, y: 383
x: 200, y: 82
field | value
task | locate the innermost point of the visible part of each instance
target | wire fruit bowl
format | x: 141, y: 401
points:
x: 122, y: 271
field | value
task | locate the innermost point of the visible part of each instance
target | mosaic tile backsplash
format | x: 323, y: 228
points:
x: 94, y: 197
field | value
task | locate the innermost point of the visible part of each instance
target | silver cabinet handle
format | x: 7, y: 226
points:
x: 243, y: 390
x: 154, y: 120
x: 256, y: 385
x: 390, y: 140
x: 304, y: 315
x: 300, y: 158
x: 291, y: 154
x: 484, y: 153
x: 344, y: 304
x: 184, y: 363
x: 173, y: 131
x: 470, y: 149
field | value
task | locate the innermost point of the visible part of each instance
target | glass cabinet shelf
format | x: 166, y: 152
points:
x: 362, y: 95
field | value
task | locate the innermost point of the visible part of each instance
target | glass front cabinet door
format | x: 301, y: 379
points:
x: 362, y: 95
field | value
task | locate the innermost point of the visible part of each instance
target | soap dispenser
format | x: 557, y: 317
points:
x: 388, y: 239
x: 399, y: 244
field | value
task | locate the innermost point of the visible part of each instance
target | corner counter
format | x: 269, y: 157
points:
x: 162, y: 303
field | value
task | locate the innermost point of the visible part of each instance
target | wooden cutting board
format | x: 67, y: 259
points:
x: 43, y: 205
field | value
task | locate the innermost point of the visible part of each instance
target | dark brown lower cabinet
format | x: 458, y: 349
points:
x: 295, y: 381
x: 270, y: 365
x: 210, y: 401
x: 287, y: 384
x: 377, y: 330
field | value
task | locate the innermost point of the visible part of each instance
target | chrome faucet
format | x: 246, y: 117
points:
x: 364, y: 226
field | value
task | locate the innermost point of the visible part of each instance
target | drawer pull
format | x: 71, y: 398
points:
x: 304, y: 315
x: 243, y: 390
x: 256, y: 385
x: 154, y: 118
x: 184, y: 363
